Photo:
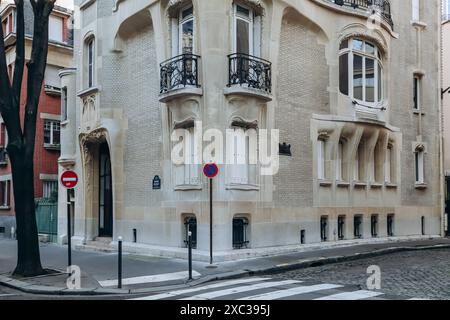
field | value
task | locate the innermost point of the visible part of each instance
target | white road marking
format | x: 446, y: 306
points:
x: 207, y: 287
x: 355, y: 295
x: 150, y: 279
x: 291, y: 292
x: 225, y: 292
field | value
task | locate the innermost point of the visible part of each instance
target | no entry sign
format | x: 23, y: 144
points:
x: 69, y: 179
x: 210, y: 170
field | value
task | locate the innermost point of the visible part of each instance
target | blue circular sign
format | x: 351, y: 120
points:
x: 211, y: 170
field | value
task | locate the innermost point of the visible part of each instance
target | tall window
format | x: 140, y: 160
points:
x: 339, y: 161
x: 357, y: 225
x: 2, y: 135
x: 5, y: 194
x: 415, y: 10
x: 321, y: 164
x: 240, y: 152
x: 49, y: 188
x: 64, y: 104
x: 55, y: 28
x: 361, y: 71
x: 324, y: 229
x: 390, y: 225
x: 90, y: 62
x: 52, y: 133
x: 341, y: 227
x: 417, y: 92
x: 187, y: 174
x: 186, y: 31
x: 243, y: 26
x: 388, y: 165
x: 374, y: 225
x: 419, y: 165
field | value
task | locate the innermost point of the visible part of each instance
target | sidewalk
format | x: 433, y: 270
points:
x: 149, y: 274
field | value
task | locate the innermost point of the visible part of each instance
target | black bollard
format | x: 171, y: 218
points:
x: 190, y: 254
x: 120, y: 264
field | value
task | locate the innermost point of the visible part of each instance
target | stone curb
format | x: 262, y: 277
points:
x: 302, y: 264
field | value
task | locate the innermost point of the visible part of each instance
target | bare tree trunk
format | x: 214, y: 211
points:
x: 21, y: 143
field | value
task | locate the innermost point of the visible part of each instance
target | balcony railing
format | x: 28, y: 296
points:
x: 250, y: 71
x: 179, y: 72
x: 382, y: 6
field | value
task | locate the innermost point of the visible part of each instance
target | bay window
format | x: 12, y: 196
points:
x: 361, y: 72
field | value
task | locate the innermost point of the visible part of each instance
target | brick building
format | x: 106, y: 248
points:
x: 49, y: 119
x: 352, y: 87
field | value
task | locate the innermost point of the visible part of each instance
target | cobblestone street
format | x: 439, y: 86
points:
x: 420, y: 274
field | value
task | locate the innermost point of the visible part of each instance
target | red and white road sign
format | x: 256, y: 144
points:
x: 69, y: 179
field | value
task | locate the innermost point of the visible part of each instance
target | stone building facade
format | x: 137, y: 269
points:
x: 352, y: 87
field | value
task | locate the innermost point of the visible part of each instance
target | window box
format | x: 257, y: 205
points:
x: 421, y: 185
x: 243, y: 187
x: 342, y: 184
x: 52, y: 91
x: 325, y: 183
x: 49, y: 146
x: 359, y: 184
x: 391, y: 185
x: 376, y: 185
x: 188, y: 187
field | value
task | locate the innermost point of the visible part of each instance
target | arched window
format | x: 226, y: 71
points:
x: 361, y: 71
x: 89, y: 62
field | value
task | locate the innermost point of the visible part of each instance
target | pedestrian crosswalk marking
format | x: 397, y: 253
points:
x: 149, y: 279
x: 226, y: 292
x: 207, y: 287
x: 355, y: 295
x: 291, y: 292
x: 266, y: 289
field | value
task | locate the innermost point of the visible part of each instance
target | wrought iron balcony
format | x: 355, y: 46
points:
x: 382, y: 6
x: 250, y: 71
x: 179, y: 72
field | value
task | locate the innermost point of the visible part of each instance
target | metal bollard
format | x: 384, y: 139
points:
x: 190, y: 254
x: 120, y: 264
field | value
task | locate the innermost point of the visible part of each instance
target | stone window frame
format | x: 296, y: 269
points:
x: 419, y: 164
x: 250, y: 182
x: 193, y: 182
x: 346, y: 49
x: 322, y: 148
x: 89, y: 73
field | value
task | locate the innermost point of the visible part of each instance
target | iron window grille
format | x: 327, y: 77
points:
x: 357, y: 227
x: 390, y: 225
x: 341, y: 225
x: 374, y: 226
x: 250, y: 71
x: 190, y: 224
x: 240, y: 233
x: 179, y: 72
x: 323, y: 229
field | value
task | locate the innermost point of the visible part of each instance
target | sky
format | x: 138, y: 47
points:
x: 63, y: 3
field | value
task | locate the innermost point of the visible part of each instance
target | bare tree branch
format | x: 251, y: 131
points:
x: 5, y: 86
x: 20, y: 50
x: 36, y: 69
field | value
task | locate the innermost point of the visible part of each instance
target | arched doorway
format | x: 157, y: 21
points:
x: 105, y: 199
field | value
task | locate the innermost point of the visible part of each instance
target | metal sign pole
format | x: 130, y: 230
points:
x: 211, y: 221
x: 69, y: 230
